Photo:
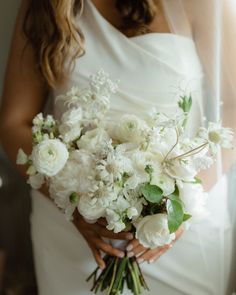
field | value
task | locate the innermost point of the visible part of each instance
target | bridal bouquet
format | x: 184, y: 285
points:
x: 140, y: 174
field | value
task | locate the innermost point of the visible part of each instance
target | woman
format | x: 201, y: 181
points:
x: 60, y: 43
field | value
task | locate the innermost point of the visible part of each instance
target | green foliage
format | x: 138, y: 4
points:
x: 152, y: 193
x: 175, y: 211
x: 187, y: 217
x: 185, y: 103
x: 74, y: 198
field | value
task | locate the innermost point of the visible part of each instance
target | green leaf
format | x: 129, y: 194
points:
x: 152, y: 193
x: 175, y: 214
x: 198, y: 180
x: 187, y: 217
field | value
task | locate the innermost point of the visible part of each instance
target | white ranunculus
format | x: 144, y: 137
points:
x: 90, y: 208
x: 36, y: 181
x: 131, y: 129
x: 22, y: 158
x: 194, y: 199
x: 152, y: 231
x: 50, y: 156
x: 95, y: 140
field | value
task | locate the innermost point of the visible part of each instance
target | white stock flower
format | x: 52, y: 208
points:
x: 22, y: 158
x: 49, y: 157
x: 36, y: 181
x: 94, y: 141
x: 194, y: 199
x: 152, y: 231
x: 131, y: 129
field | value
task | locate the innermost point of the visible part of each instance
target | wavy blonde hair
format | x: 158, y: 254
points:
x: 51, y: 29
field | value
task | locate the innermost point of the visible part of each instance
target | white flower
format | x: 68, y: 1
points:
x: 91, y: 208
x: 217, y: 135
x: 36, y: 181
x: 114, y: 221
x: 131, y: 129
x: 164, y: 182
x: 132, y: 212
x: 94, y: 141
x: 22, y: 158
x: 194, y: 199
x: 38, y: 120
x: 152, y: 231
x: 49, y: 157
x: 183, y: 169
x: 71, y: 124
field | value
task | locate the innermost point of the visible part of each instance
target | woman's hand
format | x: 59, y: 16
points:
x: 134, y: 248
x: 93, y: 234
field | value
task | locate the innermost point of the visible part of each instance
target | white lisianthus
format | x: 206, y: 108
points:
x: 22, y: 158
x: 194, y: 199
x: 94, y: 141
x: 50, y: 156
x: 131, y: 129
x: 36, y: 181
x: 91, y: 208
x: 183, y: 169
x: 152, y: 231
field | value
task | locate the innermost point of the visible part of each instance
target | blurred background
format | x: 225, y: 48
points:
x: 16, y: 264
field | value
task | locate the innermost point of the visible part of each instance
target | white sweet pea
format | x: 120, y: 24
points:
x: 49, y: 157
x: 194, y: 199
x: 22, y: 158
x: 152, y: 231
x: 36, y: 181
x: 131, y: 129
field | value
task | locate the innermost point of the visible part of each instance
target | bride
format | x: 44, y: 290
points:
x: 154, y: 48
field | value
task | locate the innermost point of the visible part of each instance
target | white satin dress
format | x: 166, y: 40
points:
x: 152, y: 70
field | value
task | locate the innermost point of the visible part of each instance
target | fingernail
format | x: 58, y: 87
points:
x: 140, y: 260
x: 130, y: 254
x: 121, y: 255
x: 130, y: 236
x: 102, y: 267
x: 129, y: 248
x: 151, y: 261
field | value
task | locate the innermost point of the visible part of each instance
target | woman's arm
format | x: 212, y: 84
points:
x: 24, y: 95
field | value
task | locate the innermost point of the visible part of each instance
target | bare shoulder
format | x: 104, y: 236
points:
x: 24, y: 89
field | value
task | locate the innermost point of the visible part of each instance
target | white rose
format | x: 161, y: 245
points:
x: 50, y: 156
x: 36, y: 181
x: 194, y: 199
x: 152, y: 231
x: 90, y: 208
x: 131, y: 129
x: 95, y: 140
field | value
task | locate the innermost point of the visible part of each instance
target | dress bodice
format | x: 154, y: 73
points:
x: 153, y: 69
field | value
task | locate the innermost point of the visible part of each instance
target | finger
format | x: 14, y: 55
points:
x: 148, y: 255
x: 140, y: 249
x: 100, y: 244
x: 102, y: 222
x: 111, y: 235
x: 132, y: 245
x: 157, y: 256
x: 98, y: 258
